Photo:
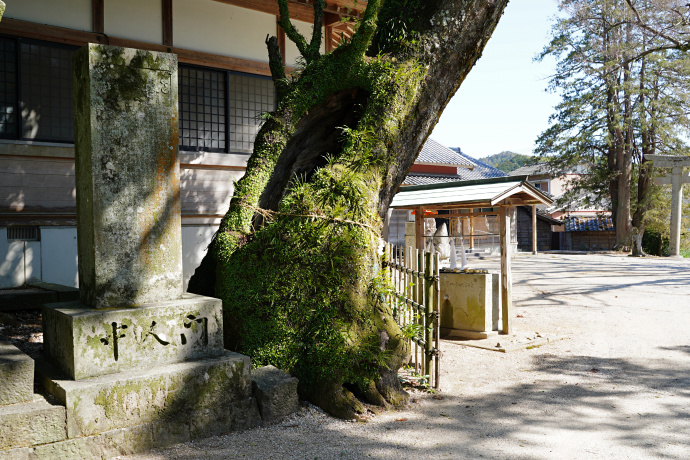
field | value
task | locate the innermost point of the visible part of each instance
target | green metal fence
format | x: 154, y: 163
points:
x: 415, y: 301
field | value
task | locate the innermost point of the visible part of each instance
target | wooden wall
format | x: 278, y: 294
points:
x: 524, y: 231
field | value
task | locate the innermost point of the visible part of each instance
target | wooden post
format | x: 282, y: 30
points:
x: 428, y: 313
x: 437, y: 319
x: 506, y: 277
x: 167, y: 10
x: 534, y: 229
x: 98, y: 16
x: 419, y: 228
x: 471, y: 232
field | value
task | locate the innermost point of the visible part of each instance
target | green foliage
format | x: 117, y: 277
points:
x: 624, y: 96
x: 508, y: 161
x: 299, y: 310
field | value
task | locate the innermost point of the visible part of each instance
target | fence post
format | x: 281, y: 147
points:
x: 428, y: 314
x: 437, y: 319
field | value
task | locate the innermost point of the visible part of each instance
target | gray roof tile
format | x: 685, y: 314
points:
x: 435, y: 153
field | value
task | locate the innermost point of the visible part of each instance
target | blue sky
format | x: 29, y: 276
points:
x: 502, y: 104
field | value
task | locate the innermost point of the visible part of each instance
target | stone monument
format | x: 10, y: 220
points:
x: 676, y: 179
x: 136, y: 353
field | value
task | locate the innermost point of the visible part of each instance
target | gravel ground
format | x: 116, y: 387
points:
x: 617, y: 386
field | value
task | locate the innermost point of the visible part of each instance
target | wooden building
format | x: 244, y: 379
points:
x: 224, y: 86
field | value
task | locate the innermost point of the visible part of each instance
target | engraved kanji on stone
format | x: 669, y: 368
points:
x: 114, y: 337
x: 195, y: 324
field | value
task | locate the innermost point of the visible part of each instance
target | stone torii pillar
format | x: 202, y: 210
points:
x: 676, y: 179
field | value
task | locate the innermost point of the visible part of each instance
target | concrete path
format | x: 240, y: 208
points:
x: 616, y: 387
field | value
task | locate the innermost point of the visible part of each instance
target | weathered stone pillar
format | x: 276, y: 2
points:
x: 676, y: 179
x: 127, y: 168
x: 676, y: 210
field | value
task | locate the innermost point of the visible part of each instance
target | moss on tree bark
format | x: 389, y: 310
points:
x: 296, y: 258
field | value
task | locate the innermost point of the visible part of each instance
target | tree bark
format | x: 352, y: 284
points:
x: 296, y: 259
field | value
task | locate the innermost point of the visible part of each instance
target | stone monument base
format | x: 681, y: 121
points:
x: 446, y: 332
x: 179, y: 401
x: 86, y: 342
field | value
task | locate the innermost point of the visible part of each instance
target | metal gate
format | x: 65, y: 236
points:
x: 415, y: 301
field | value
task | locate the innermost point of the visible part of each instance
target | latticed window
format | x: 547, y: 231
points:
x: 202, y: 102
x: 36, y: 90
x: 250, y: 96
x: 8, y: 89
x: 220, y: 110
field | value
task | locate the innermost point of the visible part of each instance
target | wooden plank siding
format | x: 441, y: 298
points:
x: 42, y: 191
x: 524, y: 231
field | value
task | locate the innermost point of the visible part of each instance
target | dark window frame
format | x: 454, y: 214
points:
x: 18, y: 135
x: 228, y: 118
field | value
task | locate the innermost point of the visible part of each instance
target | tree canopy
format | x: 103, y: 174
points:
x: 507, y: 161
x: 622, y: 73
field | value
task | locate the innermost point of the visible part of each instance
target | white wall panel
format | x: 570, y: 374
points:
x: 195, y: 240
x: 59, y: 255
x: 218, y: 28
x: 20, y: 261
x: 74, y: 14
x: 135, y: 20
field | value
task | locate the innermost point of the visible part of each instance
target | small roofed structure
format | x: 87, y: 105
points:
x: 502, y: 192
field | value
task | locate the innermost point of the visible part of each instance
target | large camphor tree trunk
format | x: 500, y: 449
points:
x: 296, y: 260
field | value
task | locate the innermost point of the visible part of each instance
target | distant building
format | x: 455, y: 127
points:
x: 585, y: 227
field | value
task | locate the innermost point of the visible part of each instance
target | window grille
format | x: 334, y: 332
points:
x: 36, y: 90
x: 23, y: 234
x: 250, y: 96
x: 220, y: 110
x: 8, y: 88
x: 46, y: 91
x: 202, y: 99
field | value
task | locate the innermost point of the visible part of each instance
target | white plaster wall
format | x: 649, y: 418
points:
x: 306, y: 29
x: 134, y: 19
x: 218, y: 28
x: 195, y: 240
x: 59, y: 255
x: 19, y: 261
x: 74, y: 14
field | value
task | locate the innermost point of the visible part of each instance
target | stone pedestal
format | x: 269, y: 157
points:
x: 470, y: 305
x: 83, y: 342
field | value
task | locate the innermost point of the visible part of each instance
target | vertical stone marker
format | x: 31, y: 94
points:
x: 676, y: 179
x: 137, y: 353
x: 128, y: 181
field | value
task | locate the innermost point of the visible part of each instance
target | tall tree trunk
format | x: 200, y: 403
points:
x: 295, y: 260
x: 624, y: 163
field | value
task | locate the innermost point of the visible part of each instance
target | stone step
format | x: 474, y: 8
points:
x: 275, y: 392
x: 183, y: 401
x: 32, y: 423
x: 64, y: 293
x: 16, y: 375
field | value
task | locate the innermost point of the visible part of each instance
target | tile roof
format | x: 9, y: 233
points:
x: 588, y: 224
x: 481, y: 170
x: 528, y: 170
x: 426, y: 179
x: 435, y: 153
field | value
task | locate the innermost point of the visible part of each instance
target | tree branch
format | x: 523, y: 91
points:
x: 363, y: 35
x: 275, y: 63
x: 290, y: 31
x: 314, y: 48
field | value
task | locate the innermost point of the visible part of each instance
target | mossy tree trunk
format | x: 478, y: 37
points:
x: 296, y: 258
